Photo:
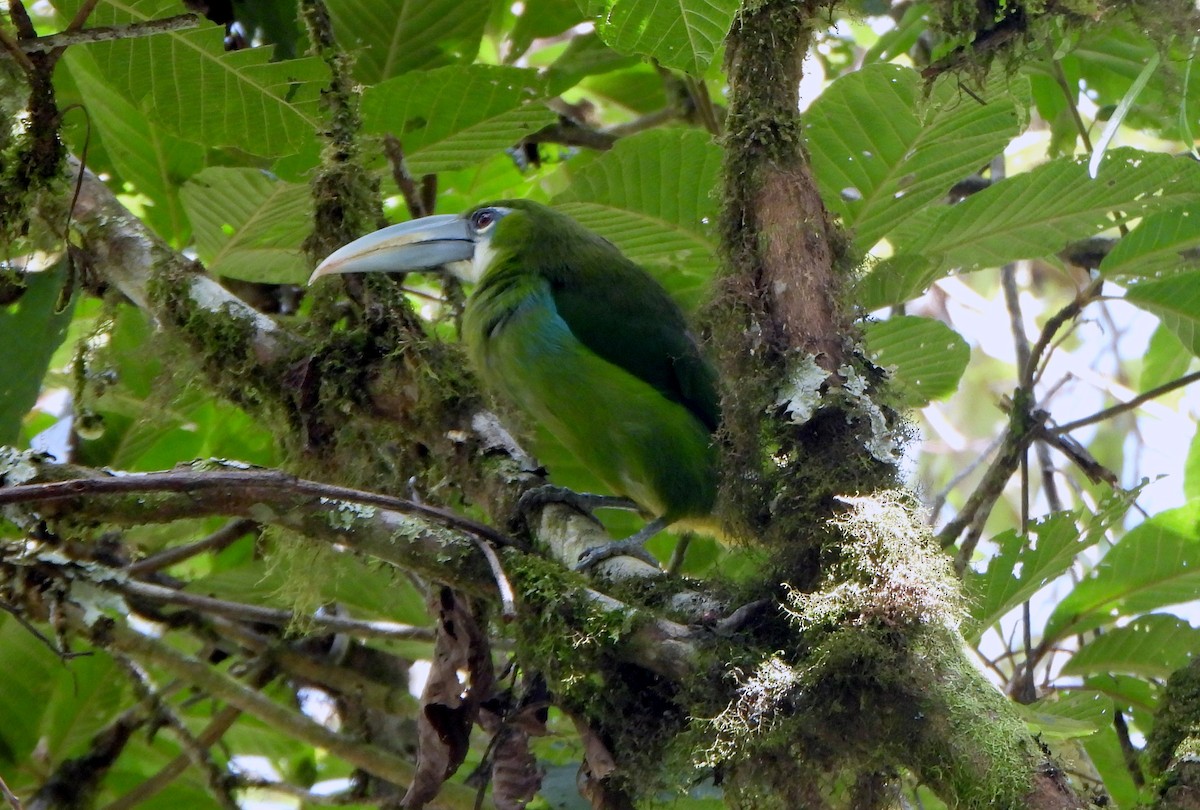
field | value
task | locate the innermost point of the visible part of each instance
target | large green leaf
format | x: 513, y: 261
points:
x: 1166, y: 359
x: 584, y: 56
x: 1176, y: 301
x: 650, y: 195
x: 926, y: 356
x: 249, y: 225
x: 147, y: 157
x: 391, y: 37
x: 33, y: 325
x: 683, y: 34
x: 201, y: 92
x: 882, y: 151
x: 1039, y: 212
x: 1150, y: 646
x: 1156, y: 564
x: 1164, y: 243
x: 452, y: 117
x: 1023, y: 565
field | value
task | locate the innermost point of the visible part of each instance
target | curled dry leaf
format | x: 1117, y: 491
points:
x: 449, y: 706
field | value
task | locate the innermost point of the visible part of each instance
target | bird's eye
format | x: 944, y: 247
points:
x: 483, y: 219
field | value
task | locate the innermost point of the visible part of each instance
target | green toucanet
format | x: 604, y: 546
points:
x: 561, y: 323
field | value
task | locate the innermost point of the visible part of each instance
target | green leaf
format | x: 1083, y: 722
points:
x: 248, y: 225
x: 1065, y: 716
x: 32, y: 324
x: 1191, y: 470
x: 874, y: 175
x: 539, y: 19
x: 1161, y: 244
x: 1039, y: 212
x: 1166, y: 359
x: 1156, y: 564
x: 452, y: 117
x: 147, y: 157
x: 201, y: 92
x: 391, y: 38
x: 927, y: 357
x: 584, y: 56
x: 650, y: 196
x: 681, y: 34
x: 894, y: 281
x: 1118, y: 117
x: 1150, y: 647
x: 1176, y: 301
x: 1023, y: 565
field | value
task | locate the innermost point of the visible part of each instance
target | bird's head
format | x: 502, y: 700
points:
x: 464, y: 244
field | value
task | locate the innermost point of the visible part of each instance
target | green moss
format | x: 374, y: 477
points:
x: 1177, y: 721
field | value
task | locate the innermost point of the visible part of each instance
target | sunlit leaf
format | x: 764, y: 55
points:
x: 1150, y: 646
x: 391, y: 37
x: 248, y: 225
x: 32, y: 324
x: 1156, y: 564
x: 683, y: 34
x: 650, y: 196
x: 1176, y: 300
x: 1038, y: 213
x: 455, y: 116
x: 200, y: 91
x: 926, y: 357
x: 882, y: 151
x: 1161, y: 244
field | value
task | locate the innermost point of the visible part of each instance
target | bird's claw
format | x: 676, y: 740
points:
x: 598, y: 554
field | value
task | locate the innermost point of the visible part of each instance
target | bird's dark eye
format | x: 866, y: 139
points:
x: 482, y: 219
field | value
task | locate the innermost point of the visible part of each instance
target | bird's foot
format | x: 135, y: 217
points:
x: 623, y: 548
x: 632, y: 546
x: 583, y: 502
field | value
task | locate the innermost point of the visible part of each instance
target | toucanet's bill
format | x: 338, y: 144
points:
x: 587, y: 342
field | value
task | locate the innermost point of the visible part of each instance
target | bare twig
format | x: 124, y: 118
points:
x: 1128, y: 405
x: 1133, y: 759
x: 9, y: 796
x: 12, y: 49
x: 221, y: 686
x: 1072, y: 98
x: 283, y: 618
x: 199, y: 754
x: 306, y: 797
x: 216, y: 541
x: 52, y: 42
x: 208, y: 737
x: 63, y: 655
x: 81, y: 15
x: 403, y: 178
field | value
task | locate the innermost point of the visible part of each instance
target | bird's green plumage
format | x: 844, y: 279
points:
x: 591, y: 346
x: 564, y: 325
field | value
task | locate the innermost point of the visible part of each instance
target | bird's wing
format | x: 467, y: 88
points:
x: 631, y: 322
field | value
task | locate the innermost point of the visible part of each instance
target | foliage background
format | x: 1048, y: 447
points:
x: 611, y: 112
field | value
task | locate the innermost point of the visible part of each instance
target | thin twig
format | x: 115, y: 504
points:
x: 218, y: 540
x: 1133, y: 759
x: 12, y: 48
x: 222, y: 721
x: 508, y: 602
x: 1072, y: 97
x: 403, y: 178
x: 9, y: 796
x: 15, y: 612
x: 144, y: 688
x: 81, y: 15
x: 283, y: 618
x: 52, y: 42
x: 1128, y: 405
x: 306, y: 797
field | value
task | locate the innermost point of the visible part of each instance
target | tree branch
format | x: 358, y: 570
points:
x: 77, y: 36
